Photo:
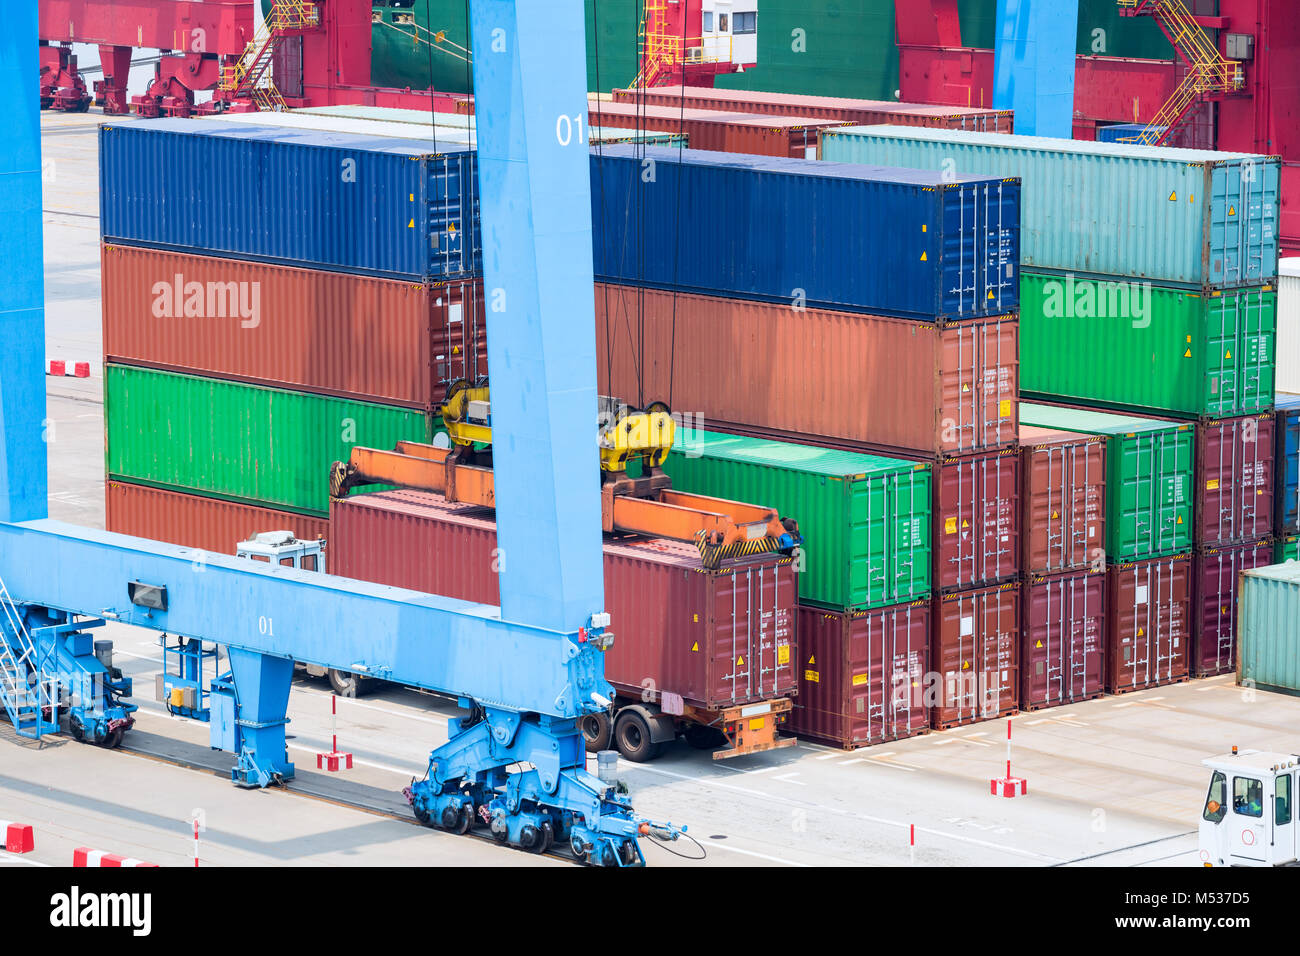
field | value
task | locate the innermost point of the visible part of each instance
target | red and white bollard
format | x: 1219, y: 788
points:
x: 19, y: 837
x: 912, y: 840
x: 73, y: 369
x: 196, y: 844
x: 334, y: 761
x: 85, y: 857
x: 1008, y: 786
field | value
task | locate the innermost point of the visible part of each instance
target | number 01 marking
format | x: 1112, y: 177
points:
x: 264, y: 627
x: 565, y: 127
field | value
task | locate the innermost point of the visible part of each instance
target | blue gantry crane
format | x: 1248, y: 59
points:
x: 525, y: 672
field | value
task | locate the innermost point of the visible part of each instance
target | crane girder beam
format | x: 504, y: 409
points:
x: 219, y: 27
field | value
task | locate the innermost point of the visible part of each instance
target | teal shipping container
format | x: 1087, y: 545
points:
x: 1268, y: 636
x: 1184, y: 217
x: 865, y: 519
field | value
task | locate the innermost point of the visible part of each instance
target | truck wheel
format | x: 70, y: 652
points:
x: 632, y: 737
x: 596, y: 730
x: 348, y: 685
x: 703, y: 737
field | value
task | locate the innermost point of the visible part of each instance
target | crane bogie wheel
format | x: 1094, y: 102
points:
x: 530, y: 838
x: 466, y: 820
x: 450, y: 817
x: 597, y: 731
x: 547, y: 839
x: 578, y: 848
x: 422, y: 815
x: 112, y: 740
x: 629, y: 853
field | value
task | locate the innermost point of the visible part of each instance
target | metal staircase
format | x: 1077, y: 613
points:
x: 1209, y: 74
x: 664, y: 52
x: 250, y: 76
x: 25, y: 688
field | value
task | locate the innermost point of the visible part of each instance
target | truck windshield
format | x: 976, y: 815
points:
x: 1216, y: 802
x: 1247, y: 797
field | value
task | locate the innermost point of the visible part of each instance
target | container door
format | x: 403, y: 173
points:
x: 1243, y: 222
x: 1168, y: 463
x: 1248, y: 832
x: 1282, y: 846
x: 904, y: 503
x: 981, y: 249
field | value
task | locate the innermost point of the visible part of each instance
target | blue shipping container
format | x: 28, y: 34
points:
x: 826, y: 235
x: 379, y: 206
x: 1287, y: 464
x: 1185, y: 217
x: 1123, y: 132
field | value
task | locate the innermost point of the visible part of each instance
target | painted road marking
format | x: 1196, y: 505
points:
x: 786, y: 778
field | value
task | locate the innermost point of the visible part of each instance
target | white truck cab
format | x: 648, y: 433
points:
x: 1248, y: 818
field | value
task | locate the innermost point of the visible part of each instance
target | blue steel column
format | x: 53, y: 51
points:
x: 530, y: 82
x: 1033, y: 65
x: 23, y: 479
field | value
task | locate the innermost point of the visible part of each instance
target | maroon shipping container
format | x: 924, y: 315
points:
x: 859, y: 112
x: 714, y: 638
x: 975, y: 655
x: 1063, y: 644
x: 1214, y: 603
x: 1063, y: 517
x: 736, y: 132
x: 1234, y: 480
x: 1148, y: 623
x: 192, y: 521
x: 976, y: 520
x: 862, y: 676
x: 381, y: 340
x: 838, y: 379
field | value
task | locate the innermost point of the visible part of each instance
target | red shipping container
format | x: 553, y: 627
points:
x: 714, y: 638
x: 192, y: 521
x: 738, y: 132
x: 1063, y: 646
x: 1063, y: 525
x: 1214, y: 603
x: 381, y: 340
x: 1234, y: 480
x: 880, y: 384
x: 974, y: 656
x: 1148, y: 623
x: 976, y: 520
x: 862, y: 675
x: 859, y: 112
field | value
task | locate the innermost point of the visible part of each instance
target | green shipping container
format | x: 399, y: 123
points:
x: 1148, y: 477
x: 267, y: 446
x: 865, y: 519
x: 1131, y: 345
x: 1287, y: 549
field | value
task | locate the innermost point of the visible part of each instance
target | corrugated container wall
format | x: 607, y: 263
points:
x: 1288, y: 325
x: 375, y: 205
x: 1149, y: 477
x: 975, y: 655
x: 976, y: 520
x: 1286, y: 462
x: 1234, y: 480
x: 1148, y: 623
x: 664, y: 606
x: 1214, y: 603
x: 862, y: 676
x: 865, y: 519
x: 866, y: 112
x: 1175, y: 216
x: 1063, y: 525
x: 819, y: 235
x: 1140, y: 347
x: 862, y: 382
x: 191, y: 521
x: 787, y: 136
x: 265, y: 446
x: 1268, y: 606
x: 1063, y: 639
x: 379, y: 340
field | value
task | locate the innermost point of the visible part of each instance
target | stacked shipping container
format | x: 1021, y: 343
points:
x: 1148, y: 286
x: 914, y: 347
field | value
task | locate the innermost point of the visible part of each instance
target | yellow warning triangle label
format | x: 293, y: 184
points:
x: 1228, y: 354
x: 813, y: 659
x: 965, y: 386
x: 1180, y: 519
x: 1187, y: 354
x: 1173, y: 196
x: 739, y: 661
x: 1141, y: 631
x: 1223, y: 610
x: 965, y: 665
x: 924, y: 257
x: 1039, y: 644
x: 990, y: 295
x: 1232, y: 210
x: 1056, y: 514
x: 695, y: 646
x: 965, y: 524
x: 411, y: 224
